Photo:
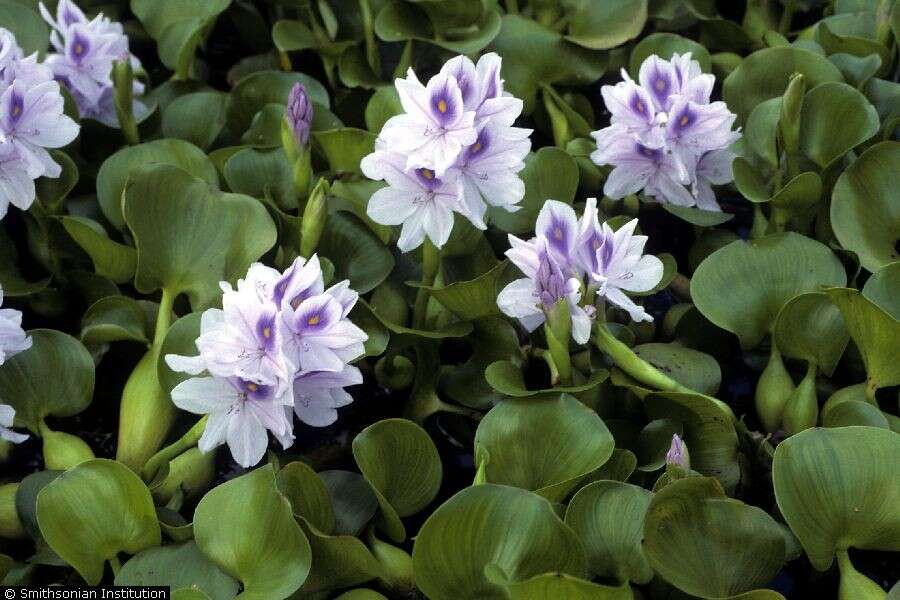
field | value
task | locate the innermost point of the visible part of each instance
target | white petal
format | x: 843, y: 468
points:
x: 202, y: 395
x: 247, y: 439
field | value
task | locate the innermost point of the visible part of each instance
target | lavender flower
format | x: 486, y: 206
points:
x: 660, y: 130
x: 417, y: 199
x: 13, y: 340
x: 677, y: 454
x: 240, y: 412
x: 85, y: 52
x: 277, y: 335
x: 454, y: 149
x: 299, y: 114
x: 614, y: 261
x: 545, y: 283
x: 16, y: 185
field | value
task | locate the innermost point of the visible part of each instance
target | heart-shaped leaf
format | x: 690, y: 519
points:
x: 603, y: 25
x: 115, y: 319
x: 247, y: 528
x: 506, y: 377
x: 197, y: 118
x: 352, y: 499
x: 707, y: 544
x: 94, y: 511
x: 26, y: 25
x: 55, y: 377
x: 837, y: 489
x: 510, y: 529
x: 835, y: 119
x: 111, y: 259
x: 252, y: 93
x: 664, y: 45
x: 742, y: 287
x: 307, y: 494
x: 401, y: 463
x: 810, y: 327
x: 356, y: 252
x: 542, y: 445
x: 190, y: 236
x: 177, y: 566
x: 864, y: 213
x: 608, y: 516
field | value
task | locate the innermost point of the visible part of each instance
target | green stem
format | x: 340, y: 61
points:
x: 559, y: 354
x: 431, y: 262
x: 163, y: 317
x: 115, y: 564
x: 636, y: 367
x: 512, y: 7
x: 365, y: 11
x: 405, y: 60
x: 784, y: 25
x: 176, y: 448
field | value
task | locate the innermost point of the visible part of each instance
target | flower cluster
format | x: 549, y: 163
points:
x: 12, y: 341
x: 280, y: 343
x: 665, y: 136
x: 83, y: 61
x: 453, y: 149
x: 573, y: 260
x: 31, y: 120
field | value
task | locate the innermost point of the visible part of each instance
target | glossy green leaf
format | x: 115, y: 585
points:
x: 197, y: 118
x: 356, y: 252
x: 881, y: 289
x: 401, y: 21
x: 352, y: 499
x: 765, y: 74
x: 534, y: 54
x: 23, y: 20
x: 654, y: 441
x: 742, y: 287
x: 247, y: 528
x: 252, y: 93
x: 708, y: 432
x: 344, y: 148
x: 507, y: 378
x: 549, y: 174
x: 837, y: 489
x: 707, y: 544
x: 854, y: 412
x: 55, y: 377
x: 113, y: 319
x: 608, y: 516
x: 545, y: 446
x: 493, y: 339
x: 507, y: 528
x: 117, y: 168
x: 556, y: 586
x: 111, y: 259
x: 476, y: 298
x: 835, y: 119
x: 401, y: 463
x: 453, y: 330
x: 664, y: 45
x: 94, y: 511
x: 603, y: 25
x: 307, y: 494
x: 180, y: 339
x: 262, y: 174
x: 178, y: 28
x: 864, y: 212
x: 810, y: 327
x: 190, y: 236
x: 876, y: 334
x: 384, y: 104
x: 691, y: 368
x: 177, y: 566
x: 52, y: 192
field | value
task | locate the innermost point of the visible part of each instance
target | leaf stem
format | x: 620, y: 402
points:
x: 635, y: 366
x: 115, y: 564
x: 163, y: 317
x: 431, y: 262
x: 180, y: 446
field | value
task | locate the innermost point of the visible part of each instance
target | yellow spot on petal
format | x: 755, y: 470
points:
x: 16, y: 110
x: 557, y: 233
x: 477, y: 146
x: 267, y: 332
x: 683, y: 120
x: 660, y: 85
x: 252, y: 387
x: 442, y: 106
x: 79, y: 49
x: 313, y: 320
x: 427, y: 174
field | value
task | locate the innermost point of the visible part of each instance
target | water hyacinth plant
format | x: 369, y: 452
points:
x: 454, y: 300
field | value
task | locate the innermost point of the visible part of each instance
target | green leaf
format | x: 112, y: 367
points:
x: 307, y: 494
x: 534, y: 54
x: 401, y: 463
x: 664, y: 45
x: 177, y: 566
x: 691, y: 368
x: 810, y: 327
x: 55, y: 377
x: 384, y: 104
x: 453, y: 330
x: 114, y: 319
x: 837, y: 489
x: 344, y: 148
x: 608, y: 516
x: 353, y: 501
x: 111, y: 259
x: 180, y: 339
x: 604, y: 25
x: 864, y: 213
x: 708, y: 432
x: 697, y: 216
x: 26, y: 25
x: 356, y: 252
x: 835, y: 119
x: 765, y: 74
x: 51, y: 192
x: 552, y: 586
x: 247, y: 528
x: 476, y: 298
x: 881, y: 288
x: 707, y: 544
x: 545, y: 446
x: 654, y: 441
x: 549, y: 174
x: 197, y: 118
x: 262, y: 174
x: 401, y: 21
x: 252, y: 93
x: 507, y: 528
x: 94, y: 511
x: 761, y: 132
x: 178, y: 28
x: 876, y: 334
x: 117, y: 168
x: 854, y: 412
x: 507, y: 378
x: 742, y: 286
x: 190, y: 236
